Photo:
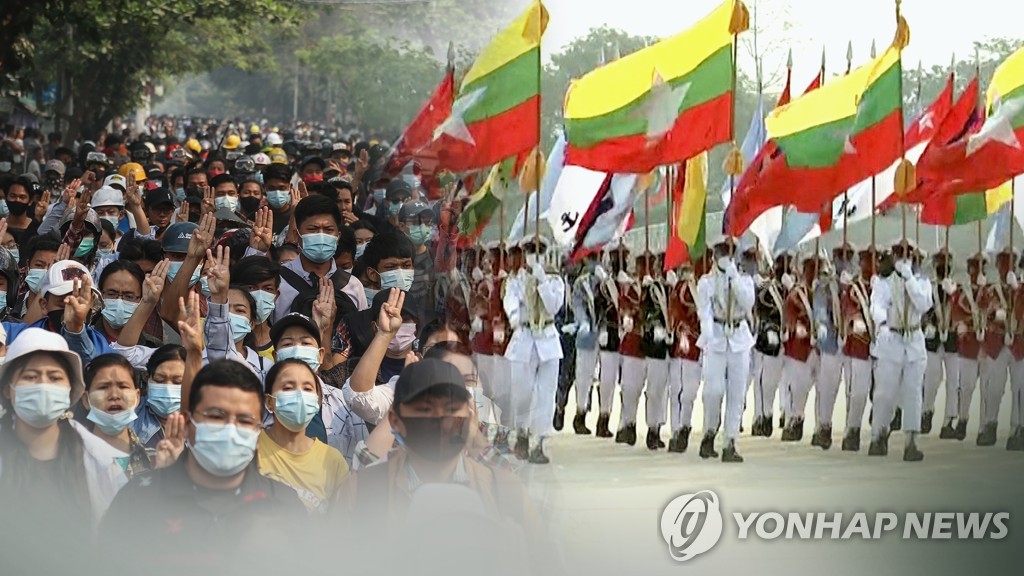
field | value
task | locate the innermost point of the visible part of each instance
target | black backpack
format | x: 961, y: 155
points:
x: 303, y: 302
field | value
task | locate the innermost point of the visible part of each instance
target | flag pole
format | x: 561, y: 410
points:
x: 817, y: 239
x: 537, y: 163
x: 846, y: 193
x: 917, y: 221
x: 647, y: 221
x: 669, y: 218
x: 981, y: 111
x: 873, y: 176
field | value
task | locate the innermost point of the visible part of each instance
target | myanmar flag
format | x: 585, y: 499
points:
x: 688, y: 229
x: 953, y: 209
x: 496, y: 113
x: 482, y: 204
x: 660, y: 105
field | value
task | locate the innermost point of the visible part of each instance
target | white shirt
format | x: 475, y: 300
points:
x: 713, y: 292
x: 887, y: 312
x: 551, y: 292
x: 287, y: 294
x: 372, y: 405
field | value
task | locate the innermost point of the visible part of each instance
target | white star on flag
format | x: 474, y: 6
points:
x: 455, y: 125
x: 661, y: 108
x: 926, y: 121
x: 997, y: 127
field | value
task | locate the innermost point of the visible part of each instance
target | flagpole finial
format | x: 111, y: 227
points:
x: 849, y: 52
x: 874, y: 51
x: 451, y: 54
x: 952, y: 63
x: 789, y: 59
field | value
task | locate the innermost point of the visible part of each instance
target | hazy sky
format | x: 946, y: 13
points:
x: 938, y: 27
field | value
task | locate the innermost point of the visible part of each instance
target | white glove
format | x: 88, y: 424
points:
x: 584, y: 327
x: 627, y: 323
x: 602, y: 338
x: 1011, y: 280
x: 773, y: 338
x: 929, y: 331
x: 684, y: 343
x: 600, y: 273
x: 731, y: 270
x: 623, y: 278
x: 904, y: 269
x: 478, y: 274
x: 822, y: 332
x: 476, y: 325
x: 671, y: 279
x: 949, y: 286
x: 647, y: 281
x: 1008, y: 339
x: 499, y: 335
x: 801, y: 331
x: 569, y: 329
x: 859, y: 326
x: 1001, y: 315
x: 538, y: 271
x: 981, y: 280
x: 788, y: 281
x: 845, y: 278
x: 659, y: 334
x: 758, y: 280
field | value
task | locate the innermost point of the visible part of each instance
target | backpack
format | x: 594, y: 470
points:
x: 303, y: 302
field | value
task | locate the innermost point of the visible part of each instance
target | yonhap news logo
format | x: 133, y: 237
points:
x: 692, y: 524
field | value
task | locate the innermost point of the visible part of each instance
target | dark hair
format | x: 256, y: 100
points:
x: 248, y: 298
x: 279, y: 366
x: 106, y: 226
x: 391, y: 243
x: 106, y: 361
x: 121, y: 266
x: 165, y: 353
x: 346, y: 242
x: 224, y: 374
x: 275, y: 252
x: 323, y: 189
x: 252, y: 270
x: 135, y: 250
x: 219, y: 179
x: 39, y: 244
x: 317, y: 205
x: 363, y: 225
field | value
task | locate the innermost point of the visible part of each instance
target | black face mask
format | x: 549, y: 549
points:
x: 249, y: 205
x: 425, y: 437
x: 56, y: 318
x: 17, y: 208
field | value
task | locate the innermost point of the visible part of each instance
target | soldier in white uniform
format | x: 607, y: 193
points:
x: 941, y: 342
x: 584, y: 313
x: 532, y: 299
x: 899, y: 298
x: 725, y: 301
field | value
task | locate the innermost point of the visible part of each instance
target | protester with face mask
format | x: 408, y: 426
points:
x: 364, y: 232
x: 18, y: 200
x: 262, y: 278
x: 223, y: 423
x: 231, y: 314
x: 159, y: 410
x: 121, y: 290
x: 398, y: 193
x: 8, y: 293
x: 312, y: 169
x: 286, y: 454
x: 277, y: 182
x: 250, y: 197
x: 185, y: 245
x: 389, y: 262
x: 225, y: 192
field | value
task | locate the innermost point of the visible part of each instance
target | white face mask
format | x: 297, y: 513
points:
x: 724, y: 261
x: 229, y: 202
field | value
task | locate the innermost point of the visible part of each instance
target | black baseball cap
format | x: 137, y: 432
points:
x: 158, y: 197
x: 314, y: 160
x: 398, y: 189
x: 414, y: 209
x: 421, y: 376
x: 294, y: 319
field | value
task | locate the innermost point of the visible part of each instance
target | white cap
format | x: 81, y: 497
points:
x: 31, y: 340
x: 116, y: 180
x: 274, y: 139
x: 60, y: 278
x: 108, y: 196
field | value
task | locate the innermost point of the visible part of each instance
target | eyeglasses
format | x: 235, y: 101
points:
x: 126, y: 296
x: 217, y: 416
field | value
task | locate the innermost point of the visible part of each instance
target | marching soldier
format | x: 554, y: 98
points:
x: 799, y: 341
x: 899, y: 299
x: 631, y: 348
x: 532, y: 299
x: 584, y: 306
x: 996, y: 302
x: 657, y: 340
x: 827, y: 319
x: 481, y: 327
x: 970, y: 329
x: 567, y: 329
x: 858, y: 328
x: 684, y: 355
x: 767, y: 354
x: 725, y: 299
x: 941, y: 344
x: 608, y: 336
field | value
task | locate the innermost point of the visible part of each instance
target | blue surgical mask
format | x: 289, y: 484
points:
x: 118, y: 312
x: 319, y: 247
x: 419, y: 234
x: 223, y: 449
x: 16, y: 254
x: 239, y: 326
x: 378, y: 195
x: 104, y: 252
x: 84, y: 247
x: 401, y: 279
x: 279, y: 198
x: 34, y: 279
x: 114, y: 220
x: 164, y: 399
x: 307, y: 354
x: 295, y: 408
x: 394, y: 208
x: 172, y: 271
x: 5, y: 166
x: 264, y: 304
x: 112, y: 424
x: 229, y: 202
x: 179, y: 194
x: 412, y: 180
x: 360, y: 248
x: 204, y: 286
x: 3, y: 300
x: 41, y: 405
x: 4, y: 210
x: 371, y: 293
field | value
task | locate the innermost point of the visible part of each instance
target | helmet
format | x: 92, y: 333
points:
x: 254, y: 129
x: 274, y: 139
x: 232, y: 142
x: 277, y: 156
x: 261, y: 159
x: 135, y: 169
x: 194, y: 145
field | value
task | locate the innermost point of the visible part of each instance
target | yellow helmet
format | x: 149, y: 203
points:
x: 254, y: 129
x: 133, y: 168
x: 194, y: 145
x: 277, y: 156
x: 232, y: 142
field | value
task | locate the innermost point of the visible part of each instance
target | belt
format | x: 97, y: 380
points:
x: 906, y: 331
x: 733, y: 324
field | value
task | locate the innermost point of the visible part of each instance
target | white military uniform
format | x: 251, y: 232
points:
x: 897, y: 305
x: 531, y: 301
x: 725, y: 299
x: 941, y: 361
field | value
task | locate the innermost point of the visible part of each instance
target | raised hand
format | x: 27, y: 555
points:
x: 183, y: 212
x: 153, y: 287
x: 390, y: 318
x: 298, y: 193
x: 262, y: 230
x: 202, y: 237
x: 64, y: 252
x: 218, y: 273
x: 349, y: 218
x: 170, y: 448
x: 324, y: 307
x: 42, y: 205
x: 190, y: 329
x: 362, y: 165
x: 78, y: 304
x: 82, y: 207
x: 132, y: 195
x: 209, y: 206
x: 72, y: 189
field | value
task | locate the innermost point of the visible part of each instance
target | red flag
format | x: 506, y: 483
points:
x: 416, y: 142
x: 677, y: 253
x: 941, y: 168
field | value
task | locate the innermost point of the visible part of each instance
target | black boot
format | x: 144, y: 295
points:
x: 579, y: 424
x: 707, y: 447
x: 816, y: 438
x: 926, y: 422
x: 537, y: 455
x: 767, y: 430
x: 602, y: 426
x: 755, y: 428
x: 729, y: 453
x: 684, y: 438
x: 620, y: 436
x: 961, y: 430
x: 522, y: 448
x: 987, y: 436
x: 652, y: 438
x: 885, y: 442
x: 897, y: 421
x: 794, y: 432
x: 631, y: 434
x: 559, y: 420
x: 824, y: 436
x: 851, y: 442
x: 1015, y: 443
x: 876, y: 448
x: 947, y: 432
x: 910, y: 452
x: 673, y: 442
x: 782, y: 422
